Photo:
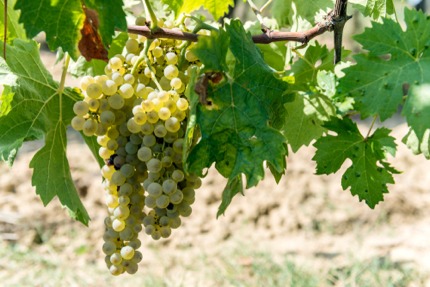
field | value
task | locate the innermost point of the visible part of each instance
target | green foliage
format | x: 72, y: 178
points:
x: 284, y: 11
x: 375, y: 8
x: 239, y: 128
x: 14, y: 29
x: 395, y: 58
x: 40, y: 109
x: 369, y: 173
x: 63, y: 20
x: 217, y: 8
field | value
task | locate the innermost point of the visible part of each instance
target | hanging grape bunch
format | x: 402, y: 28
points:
x: 138, y: 111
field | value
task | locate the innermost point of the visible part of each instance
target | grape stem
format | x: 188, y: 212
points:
x: 265, y: 38
x: 371, y: 126
x: 151, y: 15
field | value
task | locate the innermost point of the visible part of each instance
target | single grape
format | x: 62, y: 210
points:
x: 81, y: 108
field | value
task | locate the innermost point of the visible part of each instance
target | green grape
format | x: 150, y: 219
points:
x: 174, y: 222
x: 116, y: 258
x: 176, y: 83
x: 133, y: 126
x: 165, y: 231
x: 129, y: 79
x: 107, y: 118
x: 94, y: 90
x: 90, y: 127
x: 116, y: 270
x: 78, y: 123
x: 182, y: 104
x: 117, y: 78
x: 115, y: 63
x: 154, y: 165
x: 155, y: 189
x: 125, y: 190
x: 150, y: 201
x: 149, y: 229
x: 112, y: 145
x: 126, y: 91
x: 166, y: 161
x: 190, y: 56
x: 126, y: 234
x: 132, y: 46
x: 93, y: 104
x: 85, y: 82
x: 157, y: 52
x: 118, y: 225
x: 169, y: 186
x: 131, y: 268
x: 105, y: 153
x: 144, y: 154
x: 118, y: 178
x: 149, y: 140
x: 127, y: 170
x: 109, y: 248
x: 152, y: 117
x: 160, y: 131
x: 172, y: 125
x: 171, y: 58
x: 162, y: 201
x: 116, y: 102
x: 176, y: 197
x: 164, y: 113
x: 81, y: 108
x: 171, y: 71
x: 178, y: 175
x: 109, y: 87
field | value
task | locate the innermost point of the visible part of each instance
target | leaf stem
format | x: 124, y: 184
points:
x: 257, y: 13
x: 371, y: 126
x: 151, y: 15
x: 63, y: 82
x: 265, y: 6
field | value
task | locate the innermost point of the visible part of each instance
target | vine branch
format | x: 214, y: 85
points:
x: 5, y: 30
x: 339, y: 19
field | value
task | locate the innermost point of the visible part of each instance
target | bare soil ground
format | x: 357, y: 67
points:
x: 305, y: 220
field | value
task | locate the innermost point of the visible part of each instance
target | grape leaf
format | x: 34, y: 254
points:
x: 396, y: 58
x: 234, y: 186
x: 40, y: 109
x: 238, y: 132
x: 217, y: 8
x: 375, y: 8
x: 305, y: 117
x: 14, y: 29
x: 369, y: 173
x: 305, y: 69
x: 417, y: 113
x: 285, y: 11
x: 62, y: 21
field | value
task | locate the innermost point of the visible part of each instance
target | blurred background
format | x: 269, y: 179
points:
x: 305, y: 231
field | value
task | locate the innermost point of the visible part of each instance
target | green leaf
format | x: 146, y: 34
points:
x: 240, y: 129
x: 233, y: 187
x: 111, y: 16
x: 39, y: 109
x: 94, y: 148
x: 62, y: 21
x: 214, y: 51
x: 217, y: 8
x: 369, y: 173
x: 14, y: 29
x: 305, y: 69
x: 305, y: 117
x: 285, y: 11
x: 417, y: 113
x: 375, y: 8
x: 396, y: 58
x: 51, y: 175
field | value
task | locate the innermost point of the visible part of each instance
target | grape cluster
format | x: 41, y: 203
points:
x: 138, y: 112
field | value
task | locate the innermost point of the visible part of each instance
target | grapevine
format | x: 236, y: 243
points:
x: 165, y: 98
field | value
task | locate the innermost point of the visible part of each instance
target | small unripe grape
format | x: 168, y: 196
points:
x: 126, y: 91
x: 132, y: 46
x: 78, y: 123
x: 81, y: 108
x: 182, y: 104
x: 115, y: 63
x: 176, y: 83
x: 94, y: 90
x: 107, y: 118
x: 90, y: 127
x: 109, y: 87
x: 144, y: 153
x: 118, y: 225
x: 171, y: 71
x: 116, y: 101
x: 117, y: 78
x: 171, y: 58
x: 172, y: 124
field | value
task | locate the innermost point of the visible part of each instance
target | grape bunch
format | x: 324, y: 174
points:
x: 138, y: 112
